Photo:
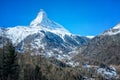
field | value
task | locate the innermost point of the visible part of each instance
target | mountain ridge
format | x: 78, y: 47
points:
x: 104, y: 47
x: 113, y: 31
x: 46, y: 35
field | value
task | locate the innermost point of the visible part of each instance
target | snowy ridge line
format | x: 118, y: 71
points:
x: 41, y: 22
x: 113, y: 31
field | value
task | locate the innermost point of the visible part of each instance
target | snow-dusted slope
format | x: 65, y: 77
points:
x: 113, y: 31
x: 41, y: 22
x: 90, y: 37
x: 18, y: 33
x: 117, y: 26
x: 46, y: 24
x: 44, y: 36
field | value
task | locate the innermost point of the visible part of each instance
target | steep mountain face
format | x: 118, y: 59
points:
x: 45, y: 37
x: 105, y: 47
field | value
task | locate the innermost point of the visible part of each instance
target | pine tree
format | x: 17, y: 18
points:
x: 9, y: 69
x: 38, y: 74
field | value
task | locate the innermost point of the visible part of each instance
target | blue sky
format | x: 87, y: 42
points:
x: 83, y: 17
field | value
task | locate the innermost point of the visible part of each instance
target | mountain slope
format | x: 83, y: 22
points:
x: 115, y: 30
x: 45, y: 37
x: 105, y: 47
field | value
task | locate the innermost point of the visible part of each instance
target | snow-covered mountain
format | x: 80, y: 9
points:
x: 41, y: 22
x: 44, y: 36
x: 113, y: 31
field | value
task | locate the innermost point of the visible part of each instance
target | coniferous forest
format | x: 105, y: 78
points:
x: 16, y: 66
x: 19, y: 66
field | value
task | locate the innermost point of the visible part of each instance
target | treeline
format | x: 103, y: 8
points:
x: 24, y: 66
x: 9, y: 68
x: 18, y: 66
x: 13, y: 66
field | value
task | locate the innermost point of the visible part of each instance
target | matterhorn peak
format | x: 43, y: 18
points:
x: 44, y: 23
x: 40, y: 19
